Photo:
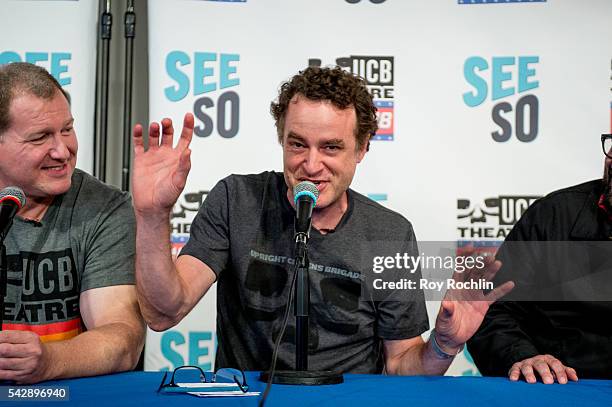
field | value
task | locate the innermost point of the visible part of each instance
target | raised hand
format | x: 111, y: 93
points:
x: 462, y: 310
x: 160, y: 173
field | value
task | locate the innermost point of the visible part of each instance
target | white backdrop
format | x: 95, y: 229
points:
x: 436, y: 162
x: 61, y: 37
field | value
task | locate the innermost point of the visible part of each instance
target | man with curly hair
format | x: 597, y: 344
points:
x: 242, y: 239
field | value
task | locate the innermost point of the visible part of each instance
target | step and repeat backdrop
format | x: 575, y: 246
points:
x: 484, y: 106
x: 61, y: 37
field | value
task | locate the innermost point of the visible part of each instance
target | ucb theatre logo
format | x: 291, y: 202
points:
x: 181, y: 217
x: 378, y: 73
x: 211, y: 79
x: 491, y: 219
x: 499, y: 80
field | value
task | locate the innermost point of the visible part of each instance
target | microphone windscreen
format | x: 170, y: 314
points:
x: 305, y: 188
x: 15, y: 194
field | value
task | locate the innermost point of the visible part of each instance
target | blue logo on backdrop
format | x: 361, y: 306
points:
x: 198, y: 344
x: 472, y: 370
x: 54, y: 62
x: 469, y: 2
x: 209, y: 76
x: 378, y: 73
x: 378, y: 197
x: 504, y: 85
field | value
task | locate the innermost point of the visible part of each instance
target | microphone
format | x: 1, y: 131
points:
x: 12, y: 199
x: 305, y: 196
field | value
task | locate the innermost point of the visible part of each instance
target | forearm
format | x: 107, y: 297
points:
x: 107, y: 349
x: 160, y: 290
x: 420, y: 359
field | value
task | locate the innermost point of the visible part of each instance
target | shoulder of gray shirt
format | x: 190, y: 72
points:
x: 94, y: 195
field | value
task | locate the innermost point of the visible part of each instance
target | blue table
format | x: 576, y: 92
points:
x: 139, y: 388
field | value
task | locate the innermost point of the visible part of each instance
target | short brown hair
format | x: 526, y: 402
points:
x: 20, y: 78
x: 336, y: 85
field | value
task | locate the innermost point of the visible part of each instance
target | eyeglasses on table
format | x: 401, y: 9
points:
x: 187, y: 374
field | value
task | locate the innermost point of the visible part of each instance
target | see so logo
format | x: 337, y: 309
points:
x: 211, y: 78
x: 57, y: 63
x: 499, y: 79
x: 378, y: 74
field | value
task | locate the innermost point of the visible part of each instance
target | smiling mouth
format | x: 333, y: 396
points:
x: 55, y: 168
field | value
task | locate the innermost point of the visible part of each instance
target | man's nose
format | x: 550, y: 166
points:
x: 59, y: 149
x: 313, y: 163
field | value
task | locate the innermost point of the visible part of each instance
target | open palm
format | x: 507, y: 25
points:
x: 160, y: 172
x: 462, y: 310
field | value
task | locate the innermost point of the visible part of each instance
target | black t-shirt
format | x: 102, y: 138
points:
x: 244, y: 232
x: 558, y: 255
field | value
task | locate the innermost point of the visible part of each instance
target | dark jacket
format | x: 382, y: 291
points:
x: 562, y: 303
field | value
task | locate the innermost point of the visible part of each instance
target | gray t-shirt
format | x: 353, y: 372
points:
x: 244, y: 232
x: 85, y: 240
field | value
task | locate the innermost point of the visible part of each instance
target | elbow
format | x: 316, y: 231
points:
x: 160, y: 324
x: 156, y: 319
x: 129, y: 353
x: 134, y: 352
x: 391, y: 367
x: 130, y: 359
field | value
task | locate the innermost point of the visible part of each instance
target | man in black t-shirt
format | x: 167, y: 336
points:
x: 558, y: 254
x: 253, y: 282
x: 242, y: 235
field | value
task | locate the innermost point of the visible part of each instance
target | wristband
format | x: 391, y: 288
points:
x: 438, y: 350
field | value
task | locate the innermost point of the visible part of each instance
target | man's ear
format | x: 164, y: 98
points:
x: 363, y: 150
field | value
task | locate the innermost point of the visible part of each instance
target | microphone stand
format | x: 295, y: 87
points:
x: 302, y: 302
x: 301, y: 375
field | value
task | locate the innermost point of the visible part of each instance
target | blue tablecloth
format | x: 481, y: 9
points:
x: 139, y: 388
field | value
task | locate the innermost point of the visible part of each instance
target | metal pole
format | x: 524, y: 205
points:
x: 130, y: 33
x: 302, y: 303
x: 106, y: 22
x: 96, y: 107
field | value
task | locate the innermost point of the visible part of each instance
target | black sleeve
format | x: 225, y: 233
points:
x: 209, y: 239
x: 504, y: 338
x: 501, y: 340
